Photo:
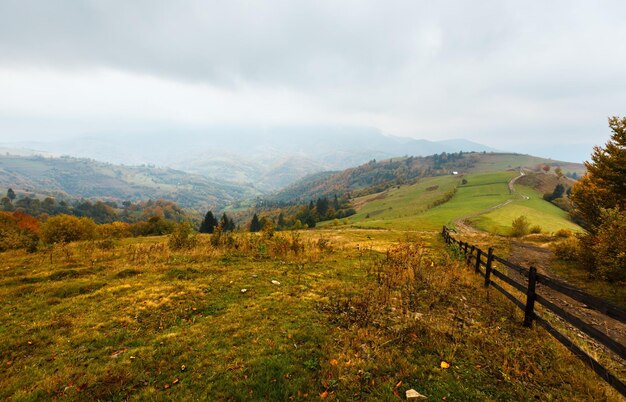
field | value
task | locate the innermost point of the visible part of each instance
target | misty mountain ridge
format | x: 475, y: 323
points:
x: 267, y: 159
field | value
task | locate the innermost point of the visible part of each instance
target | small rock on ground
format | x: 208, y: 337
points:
x: 413, y: 395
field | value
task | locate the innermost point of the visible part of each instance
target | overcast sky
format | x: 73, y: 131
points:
x: 530, y: 76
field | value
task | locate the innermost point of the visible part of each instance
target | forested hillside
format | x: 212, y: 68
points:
x: 84, y: 178
x: 376, y: 176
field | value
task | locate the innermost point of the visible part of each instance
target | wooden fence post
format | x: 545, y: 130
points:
x: 478, y: 255
x: 488, y: 268
x: 529, y: 312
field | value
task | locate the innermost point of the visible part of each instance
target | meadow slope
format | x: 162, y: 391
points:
x: 135, y: 320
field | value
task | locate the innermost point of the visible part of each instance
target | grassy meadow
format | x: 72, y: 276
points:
x: 547, y: 216
x: 433, y: 202
x: 352, y: 315
x: 482, y: 191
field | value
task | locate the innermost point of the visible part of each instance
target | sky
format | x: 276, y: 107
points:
x: 536, y: 77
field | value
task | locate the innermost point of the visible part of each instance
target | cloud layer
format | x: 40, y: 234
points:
x: 508, y: 73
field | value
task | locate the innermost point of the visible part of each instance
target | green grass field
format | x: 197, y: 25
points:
x: 538, y: 212
x: 503, y: 161
x: 482, y: 191
x: 411, y: 207
x: 142, y: 322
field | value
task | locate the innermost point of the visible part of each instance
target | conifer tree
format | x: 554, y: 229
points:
x: 208, y: 223
x: 255, y: 225
x: 227, y: 224
x: 281, y: 221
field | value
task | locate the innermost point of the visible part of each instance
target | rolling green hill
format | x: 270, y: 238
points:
x: 85, y: 178
x: 484, y: 200
x: 538, y: 212
x: 377, y: 176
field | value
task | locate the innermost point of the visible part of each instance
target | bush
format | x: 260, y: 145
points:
x: 154, y: 226
x: 182, y: 237
x: 67, y: 228
x: 563, y: 233
x: 18, y: 231
x: 520, y: 226
x: 115, y: 230
x: 535, y: 229
x: 568, y: 249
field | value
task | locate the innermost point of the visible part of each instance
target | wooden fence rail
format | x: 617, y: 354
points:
x: 477, y: 258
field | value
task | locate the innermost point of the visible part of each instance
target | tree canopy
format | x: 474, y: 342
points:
x: 599, y: 198
x: 208, y: 223
x: 604, y: 185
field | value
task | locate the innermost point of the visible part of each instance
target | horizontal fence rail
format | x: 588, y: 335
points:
x: 480, y: 259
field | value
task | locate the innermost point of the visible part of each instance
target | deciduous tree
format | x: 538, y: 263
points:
x: 599, y: 198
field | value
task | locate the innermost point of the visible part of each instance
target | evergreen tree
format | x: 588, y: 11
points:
x: 322, y: 206
x: 281, y: 221
x: 208, y: 223
x: 255, y: 225
x: 559, y: 189
x: 307, y: 217
x: 336, y: 203
x: 227, y: 224
x: 11, y: 194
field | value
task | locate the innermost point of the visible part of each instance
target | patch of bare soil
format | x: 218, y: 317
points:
x: 528, y: 255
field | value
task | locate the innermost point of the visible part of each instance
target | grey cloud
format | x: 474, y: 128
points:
x: 451, y: 67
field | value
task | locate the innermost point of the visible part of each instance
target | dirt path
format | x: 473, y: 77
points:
x: 527, y: 255
x: 461, y: 223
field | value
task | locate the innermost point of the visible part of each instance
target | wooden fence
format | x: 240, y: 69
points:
x: 480, y: 259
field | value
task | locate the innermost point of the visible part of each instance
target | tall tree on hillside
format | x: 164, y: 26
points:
x: 599, y: 199
x: 604, y: 184
x: 208, y: 223
x: 558, y: 171
x: 11, y: 194
x: 322, y: 206
x: 280, y: 224
x: 255, y: 225
x: 227, y: 224
x: 6, y: 204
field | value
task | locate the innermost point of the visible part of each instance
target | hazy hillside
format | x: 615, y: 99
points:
x: 91, y: 179
x: 270, y: 158
x: 377, y: 176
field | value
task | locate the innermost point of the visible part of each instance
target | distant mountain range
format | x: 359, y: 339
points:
x: 261, y: 160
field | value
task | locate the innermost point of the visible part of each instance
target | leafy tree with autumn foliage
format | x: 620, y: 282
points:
x: 599, y: 198
x: 67, y: 228
x: 18, y: 230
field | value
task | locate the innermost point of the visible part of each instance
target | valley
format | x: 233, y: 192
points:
x: 365, y: 307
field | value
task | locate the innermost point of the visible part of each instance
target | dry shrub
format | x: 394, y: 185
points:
x: 567, y: 249
x: 67, y: 228
x: 183, y: 237
x: 563, y: 233
x: 520, y: 226
x: 535, y: 229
